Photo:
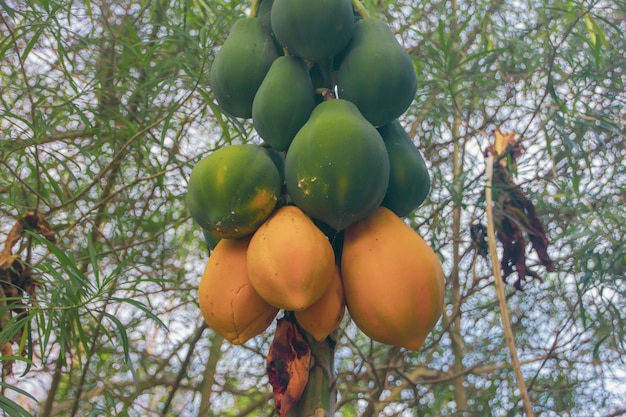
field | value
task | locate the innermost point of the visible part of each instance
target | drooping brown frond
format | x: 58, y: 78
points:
x: 16, y: 277
x: 515, y: 215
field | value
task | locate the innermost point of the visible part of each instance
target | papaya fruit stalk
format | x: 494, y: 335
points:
x: 319, y: 396
x: 254, y: 7
x: 361, y: 10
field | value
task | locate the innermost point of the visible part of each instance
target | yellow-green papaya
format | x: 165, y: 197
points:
x: 210, y: 239
x: 233, y: 190
x: 337, y: 168
x: 376, y: 73
x: 283, y: 102
x: 313, y: 29
x: 240, y: 66
x: 409, y: 181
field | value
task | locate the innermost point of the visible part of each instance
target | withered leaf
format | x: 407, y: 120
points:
x: 478, y: 234
x: 515, y: 216
x: 288, y: 363
x: 15, y: 234
x: 505, y: 146
x: 37, y: 223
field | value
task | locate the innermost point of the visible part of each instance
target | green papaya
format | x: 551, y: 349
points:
x: 283, y: 102
x: 279, y: 161
x: 409, y: 181
x: 210, y: 239
x: 233, y: 190
x: 264, y: 15
x: 313, y: 29
x: 376, y: 73
x: 337, y: 168
x: 240, y: 66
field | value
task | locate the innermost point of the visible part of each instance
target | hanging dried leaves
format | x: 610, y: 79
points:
x: 514, y: 213
x: 478, y: 234
x: 16, y: 278
x: 288, y: 362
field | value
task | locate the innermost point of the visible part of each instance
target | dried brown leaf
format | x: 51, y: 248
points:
x: 15, y: 234
x: 288, y: 363
x: 40, y: 225
x: 515, y: 215
x: 505, y: 146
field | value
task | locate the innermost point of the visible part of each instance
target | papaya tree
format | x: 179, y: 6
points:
x: 107, y: 107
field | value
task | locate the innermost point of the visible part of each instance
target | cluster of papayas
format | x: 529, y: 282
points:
x: 313, y: 215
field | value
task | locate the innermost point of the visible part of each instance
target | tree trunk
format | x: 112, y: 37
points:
x: 320, y: 394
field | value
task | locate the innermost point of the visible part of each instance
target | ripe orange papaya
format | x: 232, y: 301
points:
x: 393, y: 281
x: 228, y: 302
x: 313, y: 29
x: 240, y: 66
x: 233, y: 191
x: 376, y: 73
x: 290, y: 261
x: 409, y: 181
x: 337, y: 167
x: 325, y: 315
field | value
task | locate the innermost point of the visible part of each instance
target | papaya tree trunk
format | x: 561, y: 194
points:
x: 320, y: 395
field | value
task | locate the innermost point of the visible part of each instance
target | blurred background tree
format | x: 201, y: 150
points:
x: 105, y: 109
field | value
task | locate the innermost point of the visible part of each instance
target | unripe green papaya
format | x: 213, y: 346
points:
x: 376, y: 73
x: 337, y: 168
x: 240, y: 66
x: 264, y: 15
x: 409, y: 181
x: 279, y: 161
x: 283, y: 102
x: 313, y: 29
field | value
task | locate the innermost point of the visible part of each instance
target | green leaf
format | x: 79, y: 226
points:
x: 12, y: 408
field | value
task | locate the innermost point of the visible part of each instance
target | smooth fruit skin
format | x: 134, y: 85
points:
x: 228, y: 302
x: 409, y: 181
x: 313, y: 29
x: 233, y: 190
x: 325, y: 315
x: 376, y: 73
x: 283, y: 102
x: 240, y: 66
x: 393, y: 281
x: 290, y: 261
x: 337, y: 167
x: 210, y: 239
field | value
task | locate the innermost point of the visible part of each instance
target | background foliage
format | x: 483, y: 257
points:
x: 105, y: 108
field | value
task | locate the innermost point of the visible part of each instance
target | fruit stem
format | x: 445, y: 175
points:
x: 254, y: 7
x: 319, y: 396
x: 361, y: 10
x: 326, y: 93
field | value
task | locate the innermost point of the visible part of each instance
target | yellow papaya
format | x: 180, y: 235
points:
x: 325, y: 315
x: 290, y: 260
x: 393, y: 281
x: 228, y: 302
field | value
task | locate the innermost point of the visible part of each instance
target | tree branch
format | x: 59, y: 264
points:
x: 497, y: 277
